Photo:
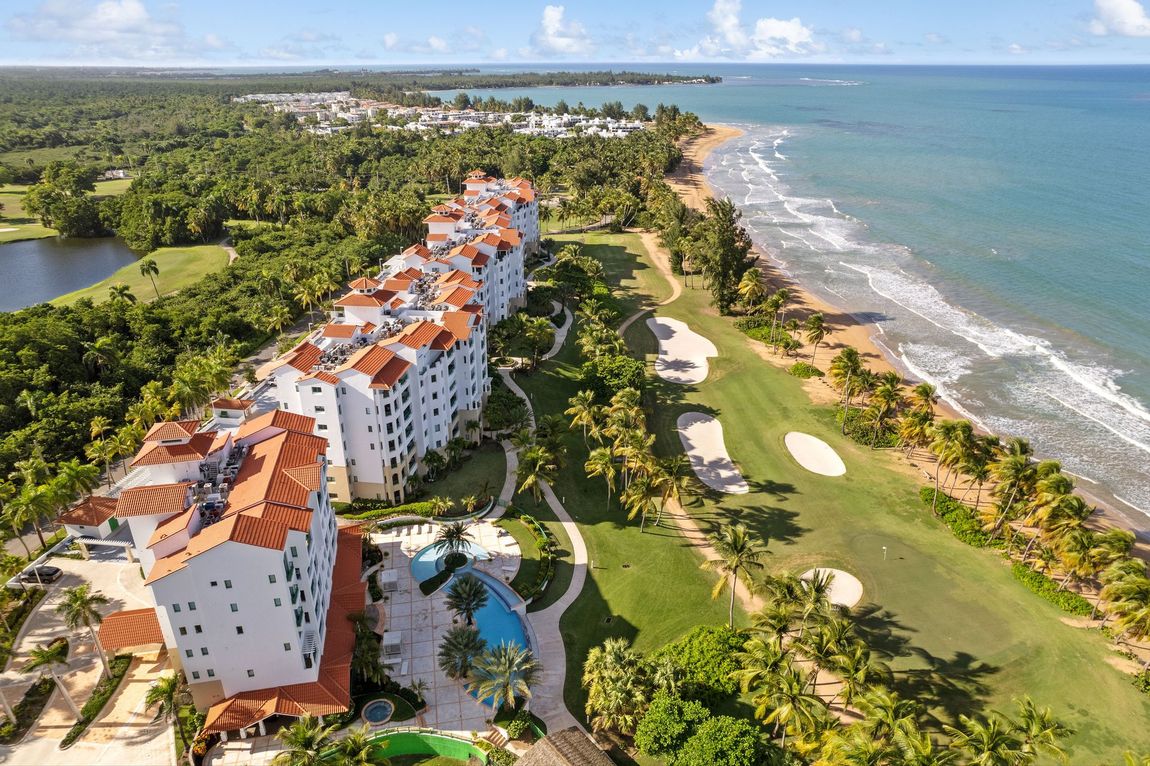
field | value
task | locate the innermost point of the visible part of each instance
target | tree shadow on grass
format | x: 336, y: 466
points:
x: 947, y: 688
x: 777, y: 525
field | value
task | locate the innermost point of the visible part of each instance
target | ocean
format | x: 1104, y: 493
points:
x: 993, y: 222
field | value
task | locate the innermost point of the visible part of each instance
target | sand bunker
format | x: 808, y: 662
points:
x: 814, y: 454
x: 845, y: 590
x: 702, y: 437
x: 682, y: 352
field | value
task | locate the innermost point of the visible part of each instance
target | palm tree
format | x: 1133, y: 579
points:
x: 1040, y: 731
x: 466, y: 596
x: 79, y: 608
x: 536, y: 465
x: 304, y: 742
x: 583, y: 411
x: 49, y: 659
x: 452, y: 538
x: 441, y: 506
x: 672, y: 479
x: 751, y: 288
x: 149, y: 269
x: 459, y: 649
x: 358, y: 748
x: 987, y: 742
x: 121, y: 293
x: 638, y: 500
x: 787, y: 702
x: 740, y: 554
x: 504, y: 674
x: 923, y: 398
x: 601, y: 462
x: 169, y: 693
x: 816, y: 330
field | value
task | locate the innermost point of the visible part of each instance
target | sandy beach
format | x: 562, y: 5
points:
x: 689, y: 181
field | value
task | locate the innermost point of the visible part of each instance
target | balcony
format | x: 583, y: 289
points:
x: 299, y: 616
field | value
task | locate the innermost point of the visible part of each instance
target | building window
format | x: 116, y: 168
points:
x: 187, y: 652
x: 251, y: 673
x: 175, y: 607
x: 211, y: 673
x: 321, y: 427
x: 367, y: 410
x: 316, y: 390
x: 227, y: 583
x: 183, y: 631
x: 204, y: 651
x: 293, y: 551
x: 195, y: 675
x: 277, y: 601
x: 235, y: 607
x: 330, y: 479
x: 287, y: 647
x: 271, y: 578
x: 191, y: 606
x: 199, y: 628
x: 319, y: 408
x: 370, y: 429
x: 239, y: 630
x: 214, y: 583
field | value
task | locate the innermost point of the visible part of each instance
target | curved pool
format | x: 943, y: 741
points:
x: 429, y: 561
x: 378, y: 712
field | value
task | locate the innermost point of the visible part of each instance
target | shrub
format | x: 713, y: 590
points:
x: 16, y: 617
x: 1048, y: 589
x: 667, y: 725
x: 724, y: 741
x: 364, y: 510
x: 804, y: 370
x: 545, y: 544
x: 961, y: 520
x: 1142, y: 681
x: 27, y: 711
x: 607, y: 375
x: 706, y: 658
x: 100, y: 696
x: 520, y: 725
x: 756, y: 322
x: 435, y: 582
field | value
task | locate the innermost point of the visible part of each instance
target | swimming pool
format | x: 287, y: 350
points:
x: 498, y: 622
x: 429, y: 561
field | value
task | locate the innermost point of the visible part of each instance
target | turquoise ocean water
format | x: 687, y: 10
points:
x: 994, y: 222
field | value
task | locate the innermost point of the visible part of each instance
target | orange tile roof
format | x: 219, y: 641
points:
x: 304, y: 356
x: 130, y: 628
x: 419, y: 334
x: 466, y: 250
x: 457, y: 277
x: 91, y: 513
x: 232, y: 404
x: 368, y: 328
x: 437, y: 218
x: 172, y: 429
x: 459, y: 323
x: 289, y: 421
x: 417, y: 249
x: 378, y: 298
x: 436, y: 237
x: 174, y: 524
x: 390, y: 373
x: 153, y: 500
x: 323, y: 376
x: 158, y: 453
x: 262, y: 475
x: 456, y: 296
x: 364, y: 283
x: 331, y: 692
x: 339, y: 330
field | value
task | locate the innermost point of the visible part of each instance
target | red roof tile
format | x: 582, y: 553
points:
x: 288, y: 421
x: 232, y: 404
x: 172, y: 429
x: 91, y: 513
x: 154, y: 500
x: 130, y: 628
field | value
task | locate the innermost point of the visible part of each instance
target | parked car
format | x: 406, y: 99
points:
x: 44, y: 574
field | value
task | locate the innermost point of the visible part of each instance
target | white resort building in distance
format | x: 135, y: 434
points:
x: 402, y: 367
x: 232, y: 520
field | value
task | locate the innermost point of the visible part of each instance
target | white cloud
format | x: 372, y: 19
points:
x: 437, y: 44
x: 767, y: 38
x: 559, y: 36
x: 215, y: 42
x: 934, y: 38
x: 390, y: 41
x: 1124, y: 18
x: 116, y: 29
x: 1016, y: 49
x: 853, y: 35
x: 499, y: 54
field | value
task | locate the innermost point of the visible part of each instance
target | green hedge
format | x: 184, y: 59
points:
x: 961, y: 520
x: 27, y: 711
x: 1067, y: 601
x: 422, y: 508
x: 545, y: 543
x: 804, y: 370
x: 435, y: 582
x: 28, y: 601
x: 100, y: 696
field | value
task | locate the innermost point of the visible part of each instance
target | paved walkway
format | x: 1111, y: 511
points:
x: 547, y: 696
x: 655, y: 250
x: 560, y: 332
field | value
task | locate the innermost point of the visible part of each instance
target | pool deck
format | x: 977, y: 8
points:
x: 424, y: 619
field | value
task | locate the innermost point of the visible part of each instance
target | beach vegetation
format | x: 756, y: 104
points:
x: 805, y: 370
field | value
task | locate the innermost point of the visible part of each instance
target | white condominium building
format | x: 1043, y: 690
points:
x: 252, y: 584
x: 402, y: 367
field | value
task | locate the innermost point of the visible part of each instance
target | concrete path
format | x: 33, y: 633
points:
x: 560, y: 332
x: 654, y: 249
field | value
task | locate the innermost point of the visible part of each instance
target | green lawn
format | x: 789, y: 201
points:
x: 962, y: 633
x: 179, y: 267
x: 14, y: 217
x: 480, y: 474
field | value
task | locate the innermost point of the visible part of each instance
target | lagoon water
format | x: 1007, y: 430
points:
x: 993, y: 221
x: 38, y: 270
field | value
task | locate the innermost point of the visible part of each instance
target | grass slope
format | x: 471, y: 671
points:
x: 962, y: 633
x: 179, y: 267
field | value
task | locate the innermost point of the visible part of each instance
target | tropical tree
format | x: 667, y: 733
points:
x: 50, y: 659
x: 467, y: 595
x: 816, y: 331
x: 601, y: 462
x: 537, y: 465
x: 460, y: 647
x: 618, y: 686
x: 751, y: 290
x: 304, y: 742
x: 504, y: 674
x: 121, y: 293
x: 1041, y: 733
x: 583, y: 411
x: 358, y: 748
x: 80, y: 608
x: 987, y: 741
x: 740, y: 554
x: 452, y: 538
x: 787, y: 703
x: 168, y: 694
x: 149, y: 269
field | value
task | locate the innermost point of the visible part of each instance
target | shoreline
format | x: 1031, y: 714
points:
x: 690, y: 182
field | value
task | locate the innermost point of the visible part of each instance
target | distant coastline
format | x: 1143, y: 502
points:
x: 690, y: 181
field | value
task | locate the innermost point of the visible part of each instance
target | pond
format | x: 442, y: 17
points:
x: 38, y: 270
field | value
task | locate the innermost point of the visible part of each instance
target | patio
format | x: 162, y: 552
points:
x: 417, y: 623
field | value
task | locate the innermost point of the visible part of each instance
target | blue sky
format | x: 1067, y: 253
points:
x: 381, y: 32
